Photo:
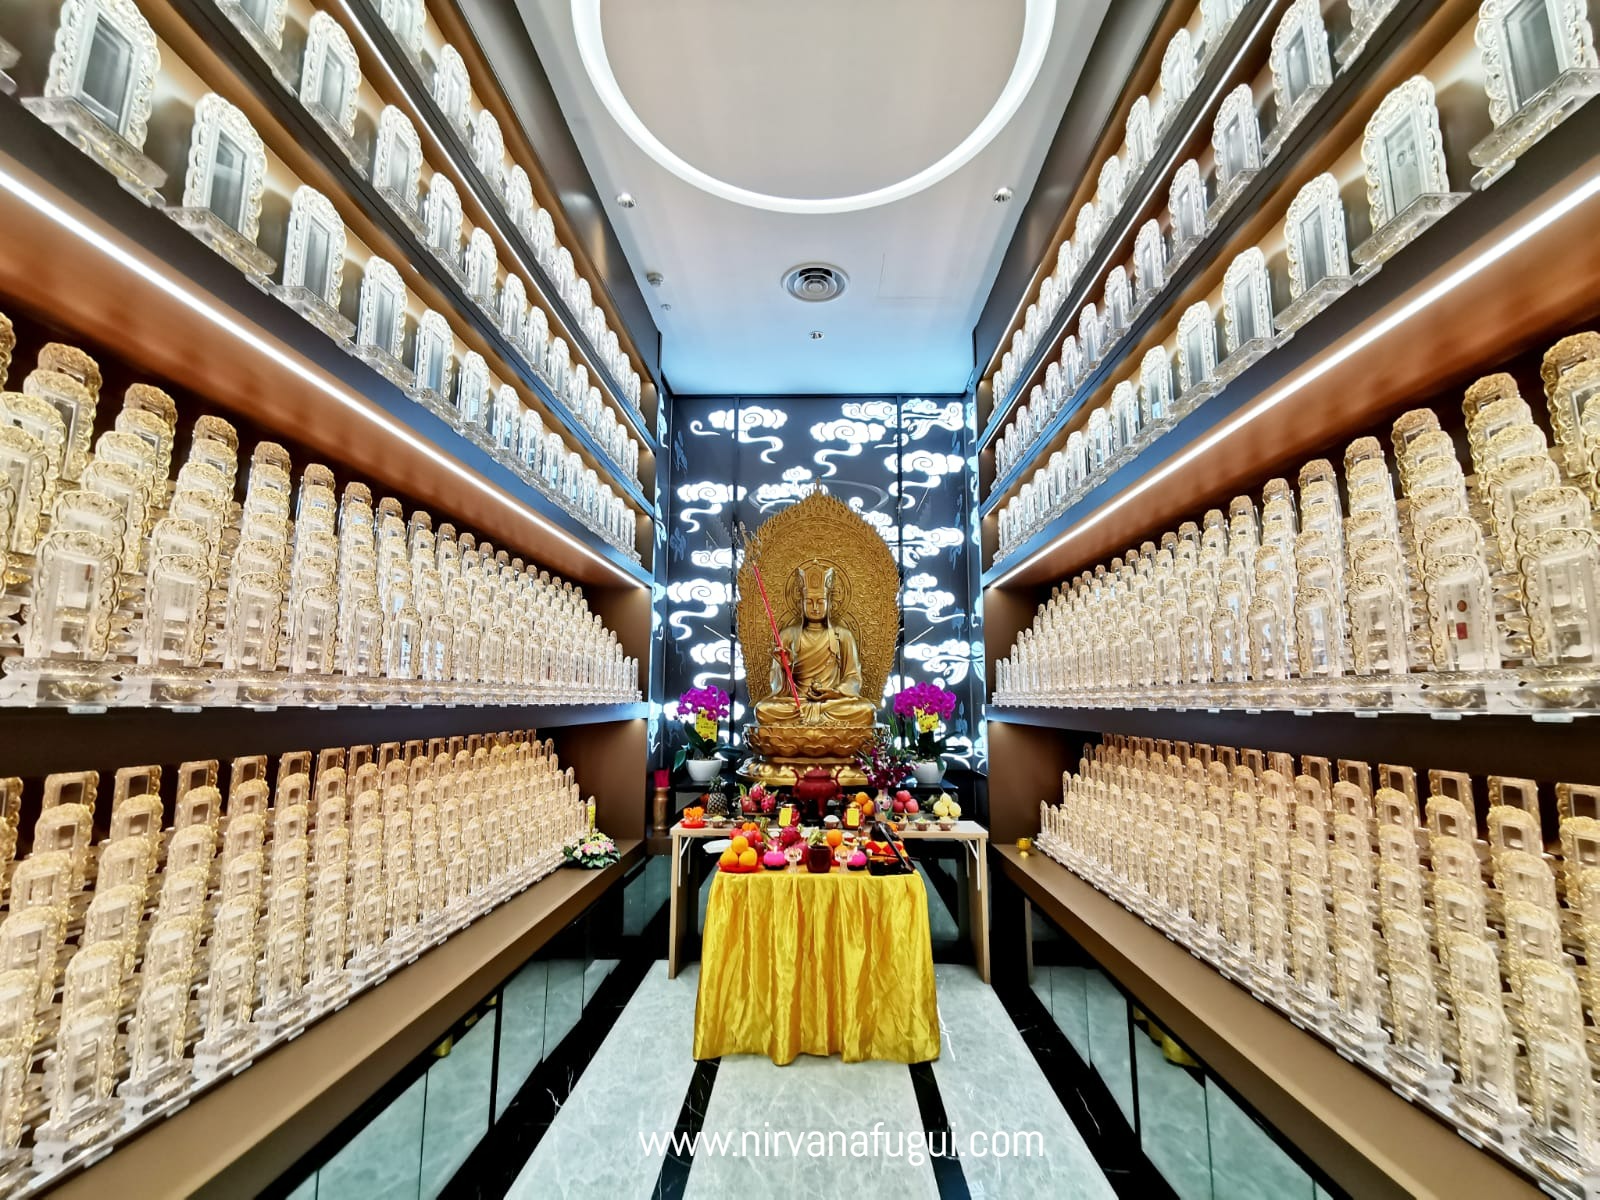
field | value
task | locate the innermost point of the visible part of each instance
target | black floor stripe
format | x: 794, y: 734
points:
x: 674, y: 1177
x: 498, y: 1159
x: 1089, y: 1104
x: 947, y: 1172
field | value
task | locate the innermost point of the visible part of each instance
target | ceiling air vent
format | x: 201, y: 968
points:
x: 815, y: 282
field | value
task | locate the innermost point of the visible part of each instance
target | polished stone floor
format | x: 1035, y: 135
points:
x: 639, y: 1084
x: 589, y: 1074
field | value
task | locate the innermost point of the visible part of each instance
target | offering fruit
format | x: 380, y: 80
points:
x: 903, y: 796
x: 729, y: 858
x: 911, y: 806
x: 773, y: 860
x: 739, y: 844
x: 790, y: 836
x: 747, y: 859
x: 694, y: 817
x: 768, y: 804
x: 835, y: 836
x: 858, y: 861
x: 899, y: 805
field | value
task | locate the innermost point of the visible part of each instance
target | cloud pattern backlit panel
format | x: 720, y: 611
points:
x: 901, y: 462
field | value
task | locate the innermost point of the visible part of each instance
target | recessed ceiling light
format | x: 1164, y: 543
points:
x: 625, y: 199
x: 816, y: 335
x: 1002, y: 195
x: 654, y: 278
x: 666, y: 308
x: 1037, y: 23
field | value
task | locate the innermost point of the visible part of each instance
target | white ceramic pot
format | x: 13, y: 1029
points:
x: 928, y: 773
x: 703, y: 770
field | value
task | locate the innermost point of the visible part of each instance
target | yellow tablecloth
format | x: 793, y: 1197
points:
x: 795, y: 963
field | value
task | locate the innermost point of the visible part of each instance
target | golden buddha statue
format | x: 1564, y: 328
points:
x: 825, y: 582
x: 823, y: 660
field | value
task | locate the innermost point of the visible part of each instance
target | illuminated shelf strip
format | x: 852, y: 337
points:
x: 1522, y: 233
x: 355, y: 404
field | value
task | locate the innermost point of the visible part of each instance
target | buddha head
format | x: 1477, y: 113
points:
x: 816, y: 583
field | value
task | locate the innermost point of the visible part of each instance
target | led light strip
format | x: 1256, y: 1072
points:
x: 1524, y: 232
x: 592, y: 358
x: 1038, y: 22
x: 195, y: 303
x: 1201, y: 113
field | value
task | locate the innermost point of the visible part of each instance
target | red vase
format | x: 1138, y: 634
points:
x: 819, y: 859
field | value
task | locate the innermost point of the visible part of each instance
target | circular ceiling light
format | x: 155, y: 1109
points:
x: 1037, y: 22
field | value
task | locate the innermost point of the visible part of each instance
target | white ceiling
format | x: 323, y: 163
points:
x: 819, y: 98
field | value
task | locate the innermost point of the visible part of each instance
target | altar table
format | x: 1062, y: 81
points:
x: 974, y: 867
x: 795, y: 963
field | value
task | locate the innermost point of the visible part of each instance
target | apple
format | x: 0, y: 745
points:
x: 911, y: 806
x: 902, y: 797
x: 899, y: 805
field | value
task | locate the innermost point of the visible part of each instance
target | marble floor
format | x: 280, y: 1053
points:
x: 639, y: 1084
x: 1066, y: 1093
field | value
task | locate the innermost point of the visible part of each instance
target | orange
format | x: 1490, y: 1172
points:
x: 863, y: 798
x: 747, y: 859
x: 835, y: 836
x: 739, y: 845
x: 729, y: 858
x: 866, y: 807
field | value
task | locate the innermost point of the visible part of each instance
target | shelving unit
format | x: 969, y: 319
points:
x: 238, y: 1137
x: 1239, y: 55
x: 210, y: 44
x: 91, y: 265
x: 1509, y: 264
x: 1411, y: 31
x: 1489, y: 287
x: 428, y: 117
x: 1369, y: 1140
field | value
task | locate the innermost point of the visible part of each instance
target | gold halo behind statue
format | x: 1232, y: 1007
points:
x: 822, y: 548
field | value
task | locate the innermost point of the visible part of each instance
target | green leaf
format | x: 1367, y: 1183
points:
x: 678, y: 759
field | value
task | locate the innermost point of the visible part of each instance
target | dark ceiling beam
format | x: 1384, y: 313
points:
x: 510, y: 52
x: 1119, y: 46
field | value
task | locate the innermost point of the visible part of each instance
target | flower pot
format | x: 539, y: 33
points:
x: 929, y: 772
x: 819, y: 859
x: 703, y: 770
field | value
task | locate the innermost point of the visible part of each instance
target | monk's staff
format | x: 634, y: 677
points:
x: 777, y: 638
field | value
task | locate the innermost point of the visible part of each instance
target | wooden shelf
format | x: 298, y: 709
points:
x: 1364, y: 82
x: 40, y: 741
x: 420, y: 98
x: 1227, y: 67
x: 87, y: 257
x: 1481, y: 745
x: 186, y: 20
x: 1365, y: 1137
x: 1503, y: 270
x: 240, y: 1135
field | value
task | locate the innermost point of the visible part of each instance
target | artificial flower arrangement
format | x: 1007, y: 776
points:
x: 595, y: 851
x: 882, y: 762
x: 701, y: 711
x: 946, y: 810
x: 921, y: 711
x: 694, y: 817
